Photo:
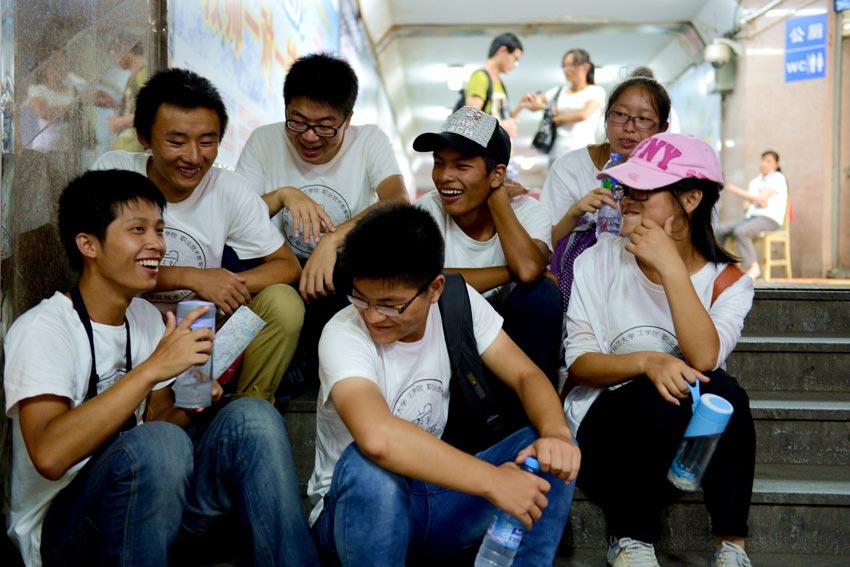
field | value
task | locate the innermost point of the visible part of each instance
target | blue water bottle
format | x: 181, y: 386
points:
x: 711, y: 414
x: 608, y: 218
x: 505, y: 533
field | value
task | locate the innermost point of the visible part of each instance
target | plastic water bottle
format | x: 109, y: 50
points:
x: 193, y: 388
x: 710, y: 415
x: 505, y: 533
x: 608, y: 218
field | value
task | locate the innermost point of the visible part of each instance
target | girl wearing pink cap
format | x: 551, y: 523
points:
x: 651, y: 311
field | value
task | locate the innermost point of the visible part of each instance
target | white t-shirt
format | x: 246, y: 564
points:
x: 221, y: 210
x: 776, y: 203
x: 465, y: 252
x: 575, y: 135
x: 570, y: 178
x: 413, y: 378
x: 344, y: 186
x: 48, y: 353
x: 615, y: 309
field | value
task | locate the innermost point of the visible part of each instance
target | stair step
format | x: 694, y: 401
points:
x: 801, y: 428
x: 797, y: 310
x: 806, y: 406
x: 793, y: 343
x: 595, y: 557
x: 788, y: 368
x: 795, y: 509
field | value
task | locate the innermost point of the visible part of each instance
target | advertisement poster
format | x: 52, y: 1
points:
x: 245, y: 47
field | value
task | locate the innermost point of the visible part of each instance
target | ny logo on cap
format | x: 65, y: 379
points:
x: 651, y: 149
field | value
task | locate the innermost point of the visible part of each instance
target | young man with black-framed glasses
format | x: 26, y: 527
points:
x: 318, y: 174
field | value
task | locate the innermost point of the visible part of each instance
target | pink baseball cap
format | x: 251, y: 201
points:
x: 664, y: 159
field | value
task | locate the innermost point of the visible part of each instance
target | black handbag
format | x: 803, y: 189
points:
x: 544, y: 139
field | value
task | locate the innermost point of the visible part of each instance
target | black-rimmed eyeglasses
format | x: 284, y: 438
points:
x: 635, y: 194
x: 386, y: 310
x: 641, y: 122
x: 320, y: 131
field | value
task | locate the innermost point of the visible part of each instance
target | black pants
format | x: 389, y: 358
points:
x: 628, y: 440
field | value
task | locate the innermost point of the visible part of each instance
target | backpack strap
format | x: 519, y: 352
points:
x: 730, y: 274
x: 474, y: 417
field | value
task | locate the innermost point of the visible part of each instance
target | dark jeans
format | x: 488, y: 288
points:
x: 628, y: 440
x: 127, y: 504
x: 533, y: 320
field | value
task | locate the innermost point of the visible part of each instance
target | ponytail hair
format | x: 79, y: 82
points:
x: 581, y: 56
x: 699, y: 222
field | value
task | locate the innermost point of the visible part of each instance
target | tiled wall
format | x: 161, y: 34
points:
x: 794, y: 119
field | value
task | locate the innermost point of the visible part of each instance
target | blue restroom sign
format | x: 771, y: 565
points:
x: 805, y: 48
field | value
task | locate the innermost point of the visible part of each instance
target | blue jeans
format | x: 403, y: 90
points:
x: 375, y: 517
x: 131, y: 498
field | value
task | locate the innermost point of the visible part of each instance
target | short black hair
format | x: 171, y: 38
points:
x: 93, y: 200
x: 179, y: 87
x: 394, y: 242
x: 323, y: 79
x: 509, y: 40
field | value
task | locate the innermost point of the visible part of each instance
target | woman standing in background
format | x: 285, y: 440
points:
x: 577, y: 106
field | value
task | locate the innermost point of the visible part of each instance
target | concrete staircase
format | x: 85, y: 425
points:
x: 794, y: 361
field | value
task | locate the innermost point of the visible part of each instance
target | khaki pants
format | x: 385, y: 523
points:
x: 267, y: 357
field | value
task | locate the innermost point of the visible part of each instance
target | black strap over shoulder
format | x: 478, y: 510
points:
x: 462, y: 100
x: 475, y: 421
x: 83, y: 313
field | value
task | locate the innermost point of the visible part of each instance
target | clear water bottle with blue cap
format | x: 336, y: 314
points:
x: 608, y: 218
x: 711, y: 414
x: 502, y: 540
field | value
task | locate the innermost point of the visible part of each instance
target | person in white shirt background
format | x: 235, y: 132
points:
x: 766, y: 201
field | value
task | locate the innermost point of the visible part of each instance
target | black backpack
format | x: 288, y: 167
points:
x: 462, y: 100
x: 482, y: 409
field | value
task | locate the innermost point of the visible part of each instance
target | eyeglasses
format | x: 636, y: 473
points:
x: 635, y: 194
x: 641, y: 123
x: 320, y: 131
x: 385, y: 310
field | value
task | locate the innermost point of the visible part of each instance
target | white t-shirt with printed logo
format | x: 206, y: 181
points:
x: 344, y: 186
x: 465, y: 252
x: 221, y: 210
x: 413, y: 378
x: 615, y: 309
x: 48, y: 352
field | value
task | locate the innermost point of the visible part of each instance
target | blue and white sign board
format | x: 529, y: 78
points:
x: 805, y: 48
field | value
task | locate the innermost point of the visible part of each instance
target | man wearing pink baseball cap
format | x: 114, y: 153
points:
x: 653, y: 311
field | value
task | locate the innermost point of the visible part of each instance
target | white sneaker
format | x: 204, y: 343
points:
x: 629, y: 552
x: 730, y: 555
x: 754, y: 271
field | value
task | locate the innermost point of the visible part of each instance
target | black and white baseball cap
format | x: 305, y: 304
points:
x: 471, y: 132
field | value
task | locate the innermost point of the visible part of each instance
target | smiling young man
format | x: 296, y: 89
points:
x: 180, y: 118
x: 385, y: 487
x: 316, y: 172
x: 497, y: 240
x: 103, y: 472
